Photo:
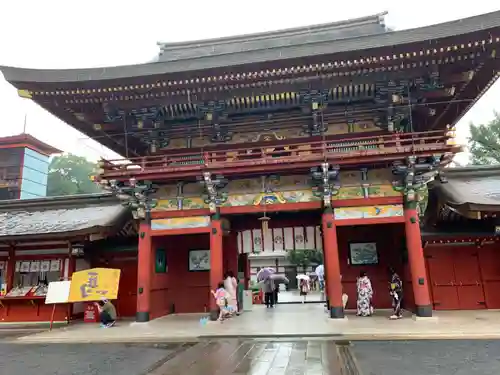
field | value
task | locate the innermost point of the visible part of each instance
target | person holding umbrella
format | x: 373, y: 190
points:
x: 303, y: 286
x: 268, y: 289
x: 278, y: 279
x: 264, y: 274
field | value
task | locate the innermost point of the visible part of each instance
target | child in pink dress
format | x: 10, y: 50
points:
x: 221, y: 297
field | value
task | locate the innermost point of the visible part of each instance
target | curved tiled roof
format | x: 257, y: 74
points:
x: 354, y: 28
x: 59, y: 215
x: 474, y: 188
x: 273, y: 52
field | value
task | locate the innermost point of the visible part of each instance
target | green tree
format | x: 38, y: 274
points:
x: 305, y: 258
x: 484, y: 142
x: 70, y: 175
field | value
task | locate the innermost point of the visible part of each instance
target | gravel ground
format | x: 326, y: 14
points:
x: 448, y: 357
x: 80, y: 359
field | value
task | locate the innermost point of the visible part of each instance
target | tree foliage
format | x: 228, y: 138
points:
x: 305, y: 258
x: 484, y: 142
x: 69, y: 175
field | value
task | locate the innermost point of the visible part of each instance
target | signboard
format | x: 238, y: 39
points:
x: 58, y: 292
x: 94, y: 284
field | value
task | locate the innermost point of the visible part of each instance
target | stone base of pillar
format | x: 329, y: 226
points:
x: 142, y: 316
x: 214, y: 315
x: 336, y: 312
x: 423, y: 311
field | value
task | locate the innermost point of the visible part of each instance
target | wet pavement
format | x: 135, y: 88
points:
x: 84, y: 359
x: 13, y: 332
x: 428, y: 357
x: 255, y: 357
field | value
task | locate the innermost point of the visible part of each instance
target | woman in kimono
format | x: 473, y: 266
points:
x: 231, y: 286
x: 365, y: 294
x: 396, y: 290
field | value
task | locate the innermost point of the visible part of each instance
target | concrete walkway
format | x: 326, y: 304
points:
x: 285, y: 321
x: 293, y: 296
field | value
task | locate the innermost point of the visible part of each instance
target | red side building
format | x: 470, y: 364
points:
x: 331, y: 137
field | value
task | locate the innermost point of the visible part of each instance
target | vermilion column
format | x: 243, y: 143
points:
x: 332, y: 266
x: 216, y: 262
x: 246, y: 270
x: 144, y: 274
x: 416, y: 260
x: 230, y: 251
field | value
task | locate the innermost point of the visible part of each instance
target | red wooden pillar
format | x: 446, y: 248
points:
x: 332, y: 266
x: 416, y: 261
x: 246, y: 270
x: 10, y: 268
x: 144, y: 274
x: 230, y: 251
x: 216, y: 262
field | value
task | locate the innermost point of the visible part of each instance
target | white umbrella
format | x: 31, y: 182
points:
x: 303, y: 277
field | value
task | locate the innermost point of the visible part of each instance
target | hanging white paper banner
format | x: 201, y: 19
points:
x: 247, y: 241
x: 310, y: 238
x: 268, y: 240
x: 289, y: 240
x: 257, y: 240
x: 299, y: 238
x: 278, y: 240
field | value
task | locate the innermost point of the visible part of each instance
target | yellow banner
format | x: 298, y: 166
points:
x: 94, y: 284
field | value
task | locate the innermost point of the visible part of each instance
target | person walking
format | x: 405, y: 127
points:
x: 396, y: 291
x: 268, y: 287
x: 304, y: 288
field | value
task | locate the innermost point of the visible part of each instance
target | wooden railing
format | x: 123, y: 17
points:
x: 247, y: 155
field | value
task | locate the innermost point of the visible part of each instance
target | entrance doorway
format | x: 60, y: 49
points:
x: 371, y: 248
x: 455, y: 278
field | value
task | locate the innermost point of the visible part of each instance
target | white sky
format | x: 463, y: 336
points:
x: 63, y: 34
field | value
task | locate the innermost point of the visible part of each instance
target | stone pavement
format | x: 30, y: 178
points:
x: 293, y: 296
x: 255, y: 357
x: 86, y: 359
x: 285, y: 321
x: 443, y: 357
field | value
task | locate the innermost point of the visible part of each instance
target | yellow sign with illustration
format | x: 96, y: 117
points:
x: 94, y: 284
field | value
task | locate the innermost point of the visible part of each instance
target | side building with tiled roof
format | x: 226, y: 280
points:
x: 461, y: 239
x: 47, y: 239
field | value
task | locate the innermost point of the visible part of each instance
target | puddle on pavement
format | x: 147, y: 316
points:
x: 255, y: 357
